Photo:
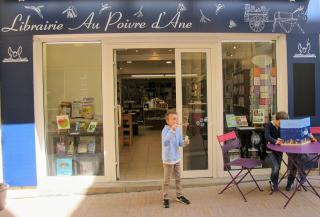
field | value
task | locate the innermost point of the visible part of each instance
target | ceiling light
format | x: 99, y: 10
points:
x: 169, y: 62
x: 234, y: 47
x: 137, y: 51
x: 170, y: 50
x: 129, y: 61
x: 153, y: 76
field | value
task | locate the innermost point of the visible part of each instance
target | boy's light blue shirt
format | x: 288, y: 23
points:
x: 171, y: 141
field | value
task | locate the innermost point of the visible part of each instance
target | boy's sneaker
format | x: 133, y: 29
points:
x: 165, y: 203
x: 273, y: 187
x: 183, y: 200
x: 289, y: 186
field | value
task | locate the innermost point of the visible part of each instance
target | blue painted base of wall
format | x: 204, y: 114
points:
x: 18, y: 147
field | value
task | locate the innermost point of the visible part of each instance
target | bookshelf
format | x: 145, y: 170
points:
x: 154, y: 117
x: 76, y: 153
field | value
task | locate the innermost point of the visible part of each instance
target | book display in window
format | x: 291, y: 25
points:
x: 70, y: 145
x: 263, y: 93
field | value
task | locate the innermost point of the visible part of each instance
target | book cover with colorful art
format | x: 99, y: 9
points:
x: 64, y: 166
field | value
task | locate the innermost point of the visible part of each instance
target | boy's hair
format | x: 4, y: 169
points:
x: 170, y: 112
x: 282, y: 115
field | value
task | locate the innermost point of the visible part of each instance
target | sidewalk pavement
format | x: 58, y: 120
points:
x: 206, y: 202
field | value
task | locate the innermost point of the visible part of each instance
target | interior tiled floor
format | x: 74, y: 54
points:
x: 142, y: 160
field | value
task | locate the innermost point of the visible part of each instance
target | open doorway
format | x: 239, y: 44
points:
x: 146, y: 89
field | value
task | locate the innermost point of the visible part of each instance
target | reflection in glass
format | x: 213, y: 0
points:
x: 194, y: 109
x: 73, y: 108
x: 249, y: 94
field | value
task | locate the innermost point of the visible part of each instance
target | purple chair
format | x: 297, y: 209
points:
x: 230, y: 141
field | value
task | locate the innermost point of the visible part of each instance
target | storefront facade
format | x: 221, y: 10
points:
x: 230, y: 59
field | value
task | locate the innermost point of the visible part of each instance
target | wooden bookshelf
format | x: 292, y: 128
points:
x: 127, y: 129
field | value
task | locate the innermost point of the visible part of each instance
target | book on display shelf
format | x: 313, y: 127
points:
x: 63, y: 122
x: 92, y: 148
x: 241, y: 121
x: 258, y: 116
x: 76, y: 111
x: 92, y: 127
x: 61, y: 148
x: 64, y: 166
x: 231, y: 120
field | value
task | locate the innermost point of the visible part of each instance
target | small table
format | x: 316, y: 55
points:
x: 310, y: 148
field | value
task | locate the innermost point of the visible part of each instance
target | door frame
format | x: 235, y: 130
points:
x: 110, y: 42
x: 209, y: 71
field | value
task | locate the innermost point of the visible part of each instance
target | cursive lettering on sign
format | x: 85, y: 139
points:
x: 174, y: 22
x: 21, y: 24
x: 115, y: 19
x: 87, y: 23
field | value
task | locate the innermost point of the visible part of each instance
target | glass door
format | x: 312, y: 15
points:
x: 192, y: 70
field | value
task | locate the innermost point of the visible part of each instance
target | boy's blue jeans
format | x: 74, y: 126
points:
x: 276, y: 158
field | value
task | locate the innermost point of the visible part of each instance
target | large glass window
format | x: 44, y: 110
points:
x: 249, y: 93
x: 73, y: 108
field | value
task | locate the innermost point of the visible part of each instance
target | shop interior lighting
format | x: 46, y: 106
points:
x: 129, y: 61
x: 169, y: 62
x: 161, y: 75
x: 152, y: 76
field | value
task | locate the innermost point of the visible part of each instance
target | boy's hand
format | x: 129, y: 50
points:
x: 279, y: 141
x: 174, y: 127
x: 313, y: 139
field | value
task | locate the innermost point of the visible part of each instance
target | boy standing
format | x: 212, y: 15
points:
x: 171, y: 139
